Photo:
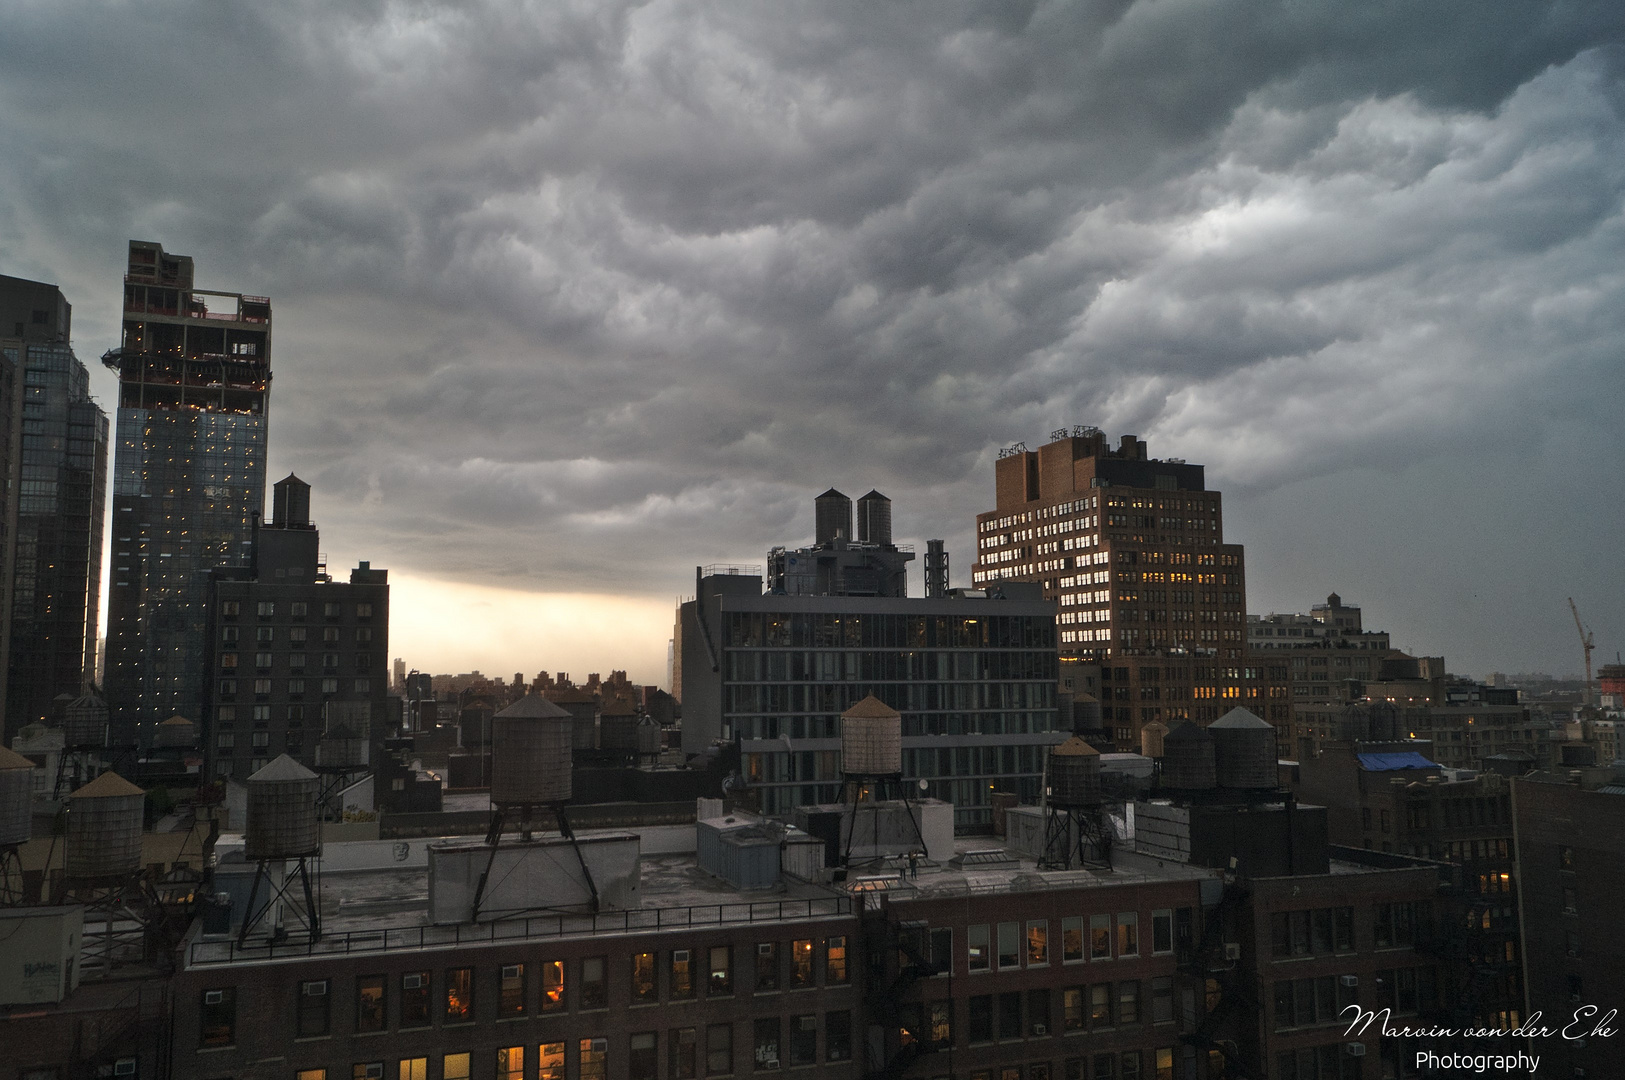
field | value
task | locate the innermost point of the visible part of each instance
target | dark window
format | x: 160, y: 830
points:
x: 1038, y: 1018
x: 1162, y: 931
x: 415, y: 999
x: 644, y: 987
x: 459, y: 996
x: 804, y: 1040
x: 641, y: 1060
x: 682, y: 1052
x: 979, y: 1018
x: 1010, y: 1015
x: 767, y: 1043
x: 838, y: 1036
x: 719, y: 1049
x: 511, y: 990
x: 594, y: 994
x: 1128, y: 1002
x: 370, y: 1011
x: 1162, y: 999
x: 1100, y: 1005
x: 219, y: 1016
x: 767, y: 965
x: 314, y: 1012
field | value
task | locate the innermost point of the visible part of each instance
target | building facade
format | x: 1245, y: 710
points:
x: 293, y: 655
x: 1132, y: 551
x: 55, y: 582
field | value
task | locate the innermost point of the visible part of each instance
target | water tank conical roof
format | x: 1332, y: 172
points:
x: 1152, y: 736
x: 85, y: 721
x: 283, y: 822
x: 618, y: 725
x: 530, y: 753
x: 874, y: 519
x: 871, y: 739
x: 104, y: 829
x: 832, y: 517
x: 1187, y: 758
x: 16, y: 798
x: 1074, y: 773
x: 1244, y: 751
x: 1086, y: 713
x: 176, y: 732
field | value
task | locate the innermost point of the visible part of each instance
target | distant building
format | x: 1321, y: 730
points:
x: 194, y: 370
x: 53, y: 593
x: 1131, y: 548
x: 294, y: 655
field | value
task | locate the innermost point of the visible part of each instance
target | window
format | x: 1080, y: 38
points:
x: 682, y: 973
x: 553, y: 988
x: 976, y: 950
x: 1162, y: 999
x: 415, y: 999
x: 454, y: 1067
x: 459, y: 996
x: 593, y: 1057
x: 804, y: 1040
x: 720, y: 981
x: 719, y: 1049
x: 230, y: 608
x: 1162, y: 931
x: 370, y: 1011
x: 594, y: 992
x: 1100, y: 1005
x: 942, y: 1022
x: 363, y: 611
x: 1128, y: 1002
x: 330, y: 636
x: 550, y: 1061
x: 331, y: 609
x: 801, y: 962
x: 1165, y: 1063
x: 265, y: 633
x: 330, y: 686
x: 979, y: 1016
x: 682, y: 1054
x: 510, y: 1063
x: 835, y: 969
x: 766, y: 1052
x: 511, y: 990
x: 838, y: 1036
x: 1073, y: 1017
x: 267, y: 608
x: 1565, y: 853
x: 1100, y: 937
x: 1038, y: 1018
x: 1071, y: 939
x: 313, y: 1011
x: 1038, y: 943
x: 1128, y: 933
x: 225, y: 740
x: 296, y: 635
x: 767, y: 966
x: 219, y: 1016
x: 641, y: 1060
x: 412, y: 1069
x: 1009, y: 944
x: 297, y: 609
x: 644, y: 986
x: 363, y: 633
x: 367, y: 1070
x: 1010, y: 1015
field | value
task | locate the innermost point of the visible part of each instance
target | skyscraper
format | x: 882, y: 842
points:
x: 61, y: 487
x: 1132, y: 551
x: 194, y: 371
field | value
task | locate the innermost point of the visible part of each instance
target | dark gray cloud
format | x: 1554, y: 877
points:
x: 572, y: 297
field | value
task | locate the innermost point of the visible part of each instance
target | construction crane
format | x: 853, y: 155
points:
x: 1586, y: 643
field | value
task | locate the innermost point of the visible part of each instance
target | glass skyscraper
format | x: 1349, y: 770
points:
x: 194, y: 371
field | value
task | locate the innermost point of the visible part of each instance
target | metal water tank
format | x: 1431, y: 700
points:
x: 85, y: 721
x: 176, y: 733
x: 282, y: 814
x: 1074, y: 773
x: 618, y: 725
x: 1086, y: 713
x: 1244, y: 751
x: 871, y: 739
x: 530, y: 761
x: 16, y: 798
x: 104, y: 829
x: 1151, y: 738
x: 651, y: 740
x: 341, y: 748
x: 1187, y: 759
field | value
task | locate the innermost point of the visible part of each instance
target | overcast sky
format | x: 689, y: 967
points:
x: 570, y: 298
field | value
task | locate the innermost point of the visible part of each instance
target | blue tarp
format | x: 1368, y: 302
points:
x: 1410, y: 759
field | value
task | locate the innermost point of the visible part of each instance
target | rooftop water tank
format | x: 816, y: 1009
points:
x: 1244, y: 751
x: 1074, y: 774
x: 871, y: 739
x: 1187, y: 759
x: 1151, y: 738
x: 176, y: 733
x: 618, y: 725
x: 85, y: 721
x: 104, y: 829
x: 651, y: 740
x: 282, y: 816
x: 341, y: 748
x: 16, y: 798
x: 530, y: 761
x: 1086, y: 713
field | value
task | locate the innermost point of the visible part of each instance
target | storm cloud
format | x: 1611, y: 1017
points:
x: 572, y: 297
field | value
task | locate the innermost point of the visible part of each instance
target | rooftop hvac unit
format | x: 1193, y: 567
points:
x: 1350, y: 980
x: 315, y: 989
x: 411, y: 982
x: 1232, y: 950
x: 1356, y: 1049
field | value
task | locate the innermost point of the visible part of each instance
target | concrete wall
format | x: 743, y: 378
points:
x: 544, y: 874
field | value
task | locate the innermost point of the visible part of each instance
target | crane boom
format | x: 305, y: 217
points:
x: 1587, y: 642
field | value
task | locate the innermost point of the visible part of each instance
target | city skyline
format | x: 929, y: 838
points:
x: 591, y: 299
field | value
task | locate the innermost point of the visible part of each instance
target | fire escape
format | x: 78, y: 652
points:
x: 898, y: 955
x: 1232, y: 995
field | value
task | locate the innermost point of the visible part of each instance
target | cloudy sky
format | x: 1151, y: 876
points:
x: 570, y: 298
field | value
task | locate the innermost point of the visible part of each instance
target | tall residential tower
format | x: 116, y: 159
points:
x: 194, y: 371
x: 55, y: 582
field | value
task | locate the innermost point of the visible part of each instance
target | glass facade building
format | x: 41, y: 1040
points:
x: 188, y: 480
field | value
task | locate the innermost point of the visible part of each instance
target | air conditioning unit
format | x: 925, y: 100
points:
x: 1349, y: 980
x: 411, y: 982
x: 765, y: 949
x: 600, y: 1046
x: 124, y: 1067
x: 679, y: 956
x: 512, y: 971
x: 213, y: 997
x: 1574, y: 952
x: 1356, y: 1049
x: 375, y: 1070
x: 1040, y: 1029
x: 315, y: 989
x: 1232, y: 950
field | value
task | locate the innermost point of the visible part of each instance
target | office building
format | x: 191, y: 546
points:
x: 294, y: 655
x: 194, y: 368
x: 60, y: 491
x: 1131, y: 549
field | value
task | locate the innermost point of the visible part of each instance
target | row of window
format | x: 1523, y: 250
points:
x: 1031, y: 1014
x: 297, y: 609
x: 1099, y: 937
x: 296, y: 634
x: 229, y: 662
x: 1319, y: 931
x: 262, y: 687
